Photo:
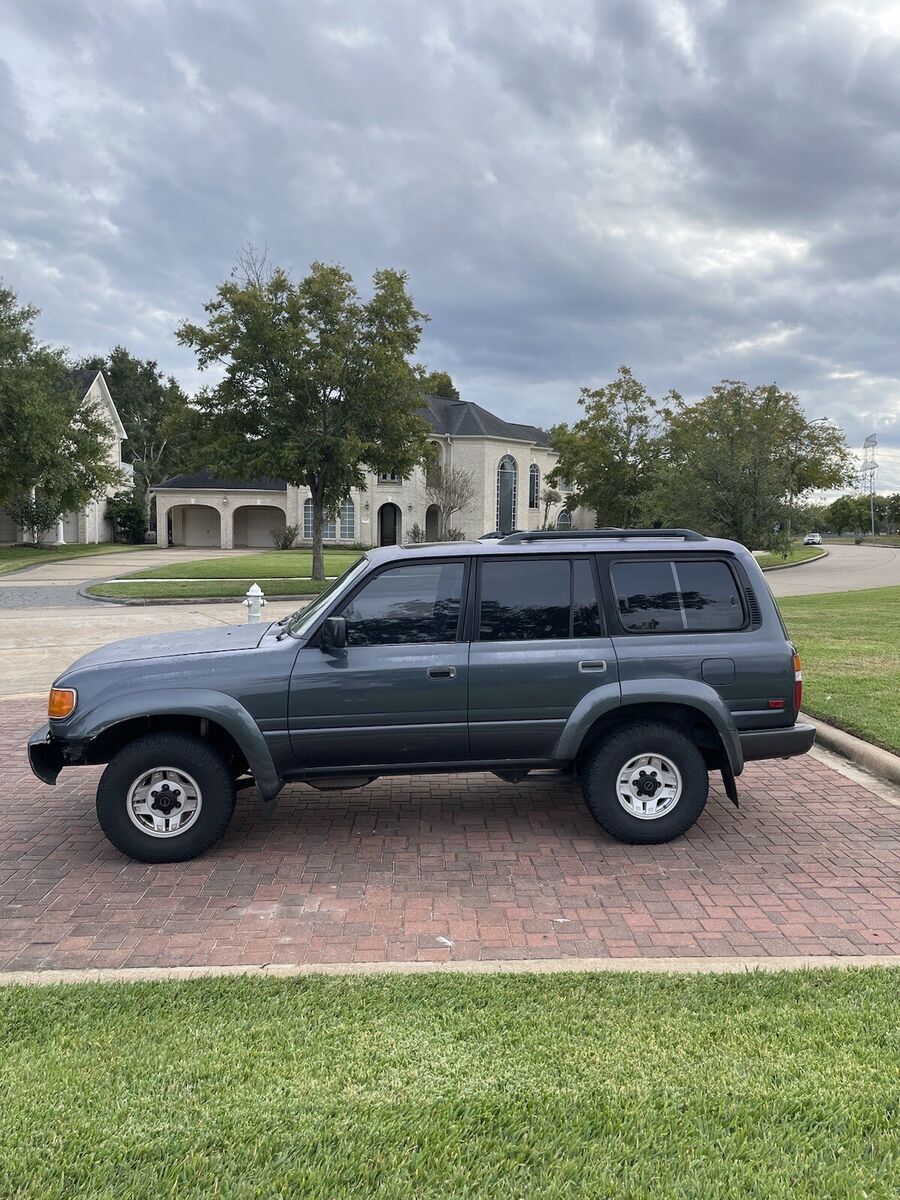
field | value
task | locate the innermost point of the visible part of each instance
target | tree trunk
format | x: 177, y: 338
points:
x: 318, y: 550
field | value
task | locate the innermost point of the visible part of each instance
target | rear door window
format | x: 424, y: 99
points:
x: 536, y: 599
x: 677, y: 596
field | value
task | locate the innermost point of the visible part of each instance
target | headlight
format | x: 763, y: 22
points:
x: 62, y: 702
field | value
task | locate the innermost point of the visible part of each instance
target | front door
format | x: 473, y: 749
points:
x: 539, y: 647
x: 388, y: 525
x: 396, y: 694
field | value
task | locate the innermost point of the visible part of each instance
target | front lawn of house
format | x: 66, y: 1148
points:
x: 14, y: 558
x: 454, y: 1086
x: 278, y: 573
x: 850, y: 646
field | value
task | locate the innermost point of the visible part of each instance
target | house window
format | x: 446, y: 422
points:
x: 433, y: 466
x: 390, y: 477
x: 507, y: 474
x: 329, y: 529
x: 534, y: 486
x: 348, y: 519
x: 564, y: 520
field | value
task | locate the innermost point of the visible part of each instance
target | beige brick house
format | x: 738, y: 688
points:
x: 88, y: 524
x: 509, y: 463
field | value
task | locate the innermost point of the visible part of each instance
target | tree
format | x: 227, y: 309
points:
x: 126, y: 511
x: 549, y: 498
x: 735, y: 461
x: 154, y: 411
x: 608, y: 456
x: 437, y: 383
x: 452, y: 490
x: 54, y: 444
x: 317, y: 385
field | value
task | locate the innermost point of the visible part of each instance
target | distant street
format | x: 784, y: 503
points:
x: 847, y: 568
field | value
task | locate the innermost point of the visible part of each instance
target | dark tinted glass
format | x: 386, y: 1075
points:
x: 710, y: 596
x: 586, y: 610
x: 671, y: 597
x: 418, y: 603
x: 524, y: 600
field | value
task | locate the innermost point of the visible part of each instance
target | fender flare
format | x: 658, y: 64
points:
x: 215, y: 706
x: 688, y: 693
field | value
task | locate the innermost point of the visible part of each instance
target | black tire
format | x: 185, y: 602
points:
x: 608, y: 758
x: 183, y: 752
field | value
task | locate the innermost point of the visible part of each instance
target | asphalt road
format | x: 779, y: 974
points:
x: 844, y: 569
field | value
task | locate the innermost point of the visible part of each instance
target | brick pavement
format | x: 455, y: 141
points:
x: 448, y: 868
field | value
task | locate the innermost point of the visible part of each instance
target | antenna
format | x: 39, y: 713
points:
x: 867, y: 473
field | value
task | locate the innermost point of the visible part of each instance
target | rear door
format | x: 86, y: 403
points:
x: 538, y: 646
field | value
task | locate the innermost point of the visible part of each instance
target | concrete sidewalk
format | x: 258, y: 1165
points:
x: 36, y: 644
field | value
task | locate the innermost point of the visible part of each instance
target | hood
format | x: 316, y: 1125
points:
x: 171, y: 645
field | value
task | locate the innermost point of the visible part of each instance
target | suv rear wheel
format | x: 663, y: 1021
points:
x: 166, y: 797
x: 645, y: 783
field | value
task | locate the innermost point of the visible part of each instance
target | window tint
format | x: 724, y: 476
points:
x: 710, y: 596
x: 671, y: 597
x: 585, y: 608
x: 418, y: 603
x: 524, y: 601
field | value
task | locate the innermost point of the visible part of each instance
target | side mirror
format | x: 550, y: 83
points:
x: 333, y: 634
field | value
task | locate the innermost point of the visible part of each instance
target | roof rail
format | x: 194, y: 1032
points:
x: 577, y: 535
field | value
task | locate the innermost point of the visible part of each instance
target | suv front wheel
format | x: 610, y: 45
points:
x: 645, y: 783
x: 166, y: 797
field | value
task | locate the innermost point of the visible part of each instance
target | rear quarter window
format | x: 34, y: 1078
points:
x: 677, y: 596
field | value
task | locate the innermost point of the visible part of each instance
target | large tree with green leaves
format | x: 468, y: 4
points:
x: 608, y: 456
x: 52, y: 441
x: 317, y: 385
x: 154, y: 411
x: 437, y: 383
x: 734, y: 462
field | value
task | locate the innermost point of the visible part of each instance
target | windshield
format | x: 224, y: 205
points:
x: 298, y: 622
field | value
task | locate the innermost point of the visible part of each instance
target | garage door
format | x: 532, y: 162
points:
x: 201, y: 527
x: 259, y: 525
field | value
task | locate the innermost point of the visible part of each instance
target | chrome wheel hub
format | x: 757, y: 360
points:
x: 164, y: 802
x: 649, y: 786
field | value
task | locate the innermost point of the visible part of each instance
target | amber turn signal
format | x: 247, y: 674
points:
x: 61, y: 702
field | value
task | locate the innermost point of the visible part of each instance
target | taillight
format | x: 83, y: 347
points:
x: 798, y: 683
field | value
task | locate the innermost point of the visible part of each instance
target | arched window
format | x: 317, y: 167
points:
x: 348, y: 519
x: 534, y: 486
x: 564, y: 520
x: 507, y: 474
x: 329, y: 529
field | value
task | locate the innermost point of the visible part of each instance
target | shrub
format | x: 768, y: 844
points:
x: 283, y: 539
x: 126, y: 513
x: 36, y: 514
x: 417, y: 534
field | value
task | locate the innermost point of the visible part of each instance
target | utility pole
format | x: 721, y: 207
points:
x: 867, y: 476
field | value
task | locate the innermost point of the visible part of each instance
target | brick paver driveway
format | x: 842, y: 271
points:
x: 448, y: 868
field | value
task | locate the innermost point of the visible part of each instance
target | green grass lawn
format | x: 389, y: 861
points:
x: 271, y: 564
x: 782, y: 1087
x: 850, y: 646
x: 797, y: 554
x: 881, y: 539
x: 278, y: 573
x: 207, y: 589
x: 13, y: 558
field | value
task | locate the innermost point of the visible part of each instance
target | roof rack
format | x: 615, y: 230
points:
x: 577, y: 535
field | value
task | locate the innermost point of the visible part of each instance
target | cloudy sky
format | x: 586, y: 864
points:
x: 700, y: 189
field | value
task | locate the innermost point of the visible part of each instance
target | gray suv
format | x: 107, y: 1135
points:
x: 638, y: 660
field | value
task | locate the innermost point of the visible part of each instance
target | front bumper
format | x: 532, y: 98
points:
x: 45, y: 754
x: 776, y: 743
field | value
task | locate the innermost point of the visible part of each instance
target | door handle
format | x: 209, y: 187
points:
x: 441, y: 672
x: 598, y: 664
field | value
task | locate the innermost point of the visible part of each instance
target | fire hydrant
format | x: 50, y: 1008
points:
x: 254, y: 603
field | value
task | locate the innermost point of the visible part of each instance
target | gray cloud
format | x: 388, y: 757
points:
x: 701, y: 190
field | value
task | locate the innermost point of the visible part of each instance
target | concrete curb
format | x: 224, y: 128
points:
x: 791, y: 566
x: 529, y: 966
x: 881, y: 763
x: 122, y: 602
